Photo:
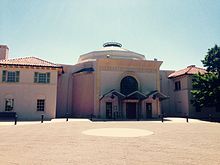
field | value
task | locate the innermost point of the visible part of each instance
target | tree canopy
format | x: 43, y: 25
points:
x: 206, y: 87
x: 212, y: 60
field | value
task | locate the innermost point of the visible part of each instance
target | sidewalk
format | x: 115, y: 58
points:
x: 166, y: 120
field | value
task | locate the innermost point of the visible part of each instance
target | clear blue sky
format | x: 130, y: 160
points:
x: 175, y: 31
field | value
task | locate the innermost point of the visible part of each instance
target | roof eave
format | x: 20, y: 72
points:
x: 32, y: 65
x: 179, y: 75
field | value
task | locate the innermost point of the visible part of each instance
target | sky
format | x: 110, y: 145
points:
x: 177, y: 32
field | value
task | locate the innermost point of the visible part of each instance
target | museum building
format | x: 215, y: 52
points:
x: 112, y: 82
x: 109, y: 83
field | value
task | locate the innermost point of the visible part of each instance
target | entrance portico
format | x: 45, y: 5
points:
x: 115, y: 105
x: 133, y: 105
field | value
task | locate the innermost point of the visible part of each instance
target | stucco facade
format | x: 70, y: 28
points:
x: 112, y: 71
x: 166, y: 86
x: 182, y: 95
x: 94, y: 84
x: 109, y: 83
x: 23, y: 93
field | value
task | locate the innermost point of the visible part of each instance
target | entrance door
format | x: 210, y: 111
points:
x: 108, y: 110
x: 149, y: 110
x: 131, y: 110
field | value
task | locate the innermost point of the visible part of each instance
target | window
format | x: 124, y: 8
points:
x: 41, y: 77
x: 40, y: 104
x: 9, y: 104
x: 128, y: 85
x: 177, y: 86
x: 10, y: 76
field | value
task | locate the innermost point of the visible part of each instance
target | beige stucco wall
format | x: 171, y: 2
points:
x: 110, y: 72
x: 25, y: 94
x: 167, y: 88
x: 64, y: 91
x: 181, y: 100
x: 71, y: 98
x: 112, y: 79
x: 83, y: 94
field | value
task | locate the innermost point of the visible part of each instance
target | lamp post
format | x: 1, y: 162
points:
x: 16, y: 117
x: 162, y: 117
x: 187, y: 118
x: 67, y: 116
x: 42, y: 118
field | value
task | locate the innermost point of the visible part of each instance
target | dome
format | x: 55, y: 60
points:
x: 112, y: 50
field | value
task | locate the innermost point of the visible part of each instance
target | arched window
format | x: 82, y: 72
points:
x: 128, y: 85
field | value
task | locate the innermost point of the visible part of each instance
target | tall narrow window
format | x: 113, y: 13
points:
x: 177, y: 85
x: 40, y: 105
x: 48, y: 77
x: 10, y: 76
x: 4, y: 75
x: 9, y: 104
x: 42, y: 77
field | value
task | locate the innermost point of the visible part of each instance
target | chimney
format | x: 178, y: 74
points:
x: 3, y: 52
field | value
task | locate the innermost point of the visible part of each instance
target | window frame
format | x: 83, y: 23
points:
x: 9, y: 76
x: 177, y: 85
x: 42, y: 78
x: 9, y: 108
x: 41, y: 105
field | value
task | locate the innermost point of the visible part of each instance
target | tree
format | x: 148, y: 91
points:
x: 212, y: 60
x: 206, y: 87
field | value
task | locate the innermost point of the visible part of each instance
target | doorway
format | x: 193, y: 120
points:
x: 148, y: 110
x: 131, y: 110
x: 108, y: 110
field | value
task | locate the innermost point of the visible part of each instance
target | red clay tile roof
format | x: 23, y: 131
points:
x: 29, y: 61
x: 190, y: 70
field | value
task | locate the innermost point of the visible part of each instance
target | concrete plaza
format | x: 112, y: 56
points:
x: 60, y: 142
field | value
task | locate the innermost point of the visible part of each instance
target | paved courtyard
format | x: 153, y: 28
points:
x: 60, y: 142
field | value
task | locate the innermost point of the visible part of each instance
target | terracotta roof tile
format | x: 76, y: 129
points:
x: 29, y: 61
x: 190, y: 70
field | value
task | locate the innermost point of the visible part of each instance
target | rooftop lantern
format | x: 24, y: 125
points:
x: 116, y: 44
